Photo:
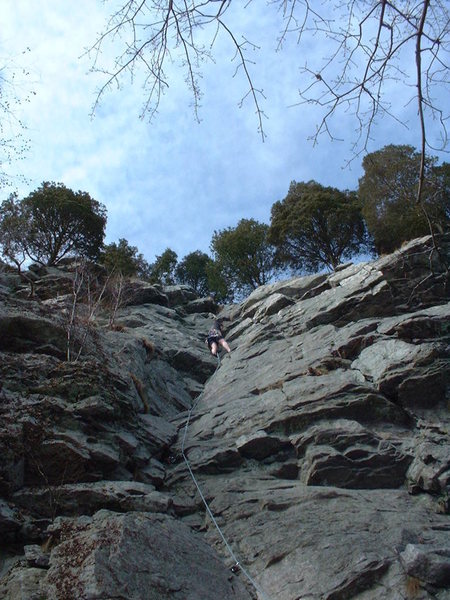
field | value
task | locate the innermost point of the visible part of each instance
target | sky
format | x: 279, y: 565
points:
x: 173, y: 181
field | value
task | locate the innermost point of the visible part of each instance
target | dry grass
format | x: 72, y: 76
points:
x: 141, y: 392
x: 412, y: 587
x: 149, y: 347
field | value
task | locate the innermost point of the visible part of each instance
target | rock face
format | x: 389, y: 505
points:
x: 320, y: 445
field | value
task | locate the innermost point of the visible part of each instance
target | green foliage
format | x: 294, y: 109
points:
x: 51, y: 223
x: 388, y: 191
x: 11, y: 231
x: 219, y: 288
x: 192, y: 270
x: 243, y: 256
x: 163, y: 269
x: 125, y: 260
x: 316, y: 227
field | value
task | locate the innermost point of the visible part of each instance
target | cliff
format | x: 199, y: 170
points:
x: 310, y: 463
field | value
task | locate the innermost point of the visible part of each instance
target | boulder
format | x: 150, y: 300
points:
x: 87, y: 498
x: 138, y: 292
x: 179, y: 295
x: 139, y: 555
x: 10, y: 520
x: 428, y: 563
x: 201, y: 305
x: 25, y: 334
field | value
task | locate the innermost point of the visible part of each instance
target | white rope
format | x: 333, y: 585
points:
x: 237, y: 565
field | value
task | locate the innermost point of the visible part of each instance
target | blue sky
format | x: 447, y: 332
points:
x: 172, y: 182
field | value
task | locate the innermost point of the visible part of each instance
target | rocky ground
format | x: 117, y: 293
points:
x: 320, y: 444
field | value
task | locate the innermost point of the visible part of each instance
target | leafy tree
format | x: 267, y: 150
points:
x: 54, y: 222
x: 388, y: 194
x: 244, y: 255
x: 220, y: 288
x: 11, y: 232
x: 163, y: 269
x: 125, y: 259
x: 192, y: 270
x: 316, y: 226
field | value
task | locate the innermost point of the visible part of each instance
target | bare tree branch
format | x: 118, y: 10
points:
x: 13, y: 143
x: 420, y: 103
x: 369, y: 53
x: 370, y: 46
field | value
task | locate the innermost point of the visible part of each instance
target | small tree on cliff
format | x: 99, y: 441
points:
x: 51, y: 223
x: 192, y: 270
x: 244, y: 256
x: 388, y: 194
x: 220, y: 288
x: 11, y: 232
x: 124, y: 259
x: 163, y: 269
x: 316, y: 227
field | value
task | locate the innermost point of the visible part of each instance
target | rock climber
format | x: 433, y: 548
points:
x: 215, y: 338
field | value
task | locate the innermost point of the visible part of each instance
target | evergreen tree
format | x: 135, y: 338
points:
x: 53, y: 222
x: 163, y: 269
x: 192, y: 270
x: 316, y: 227
x: 124, y: 259
x: 388, y: 191
x: 243, y: 256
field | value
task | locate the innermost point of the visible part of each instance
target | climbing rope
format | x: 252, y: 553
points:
x: 237, y: 564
